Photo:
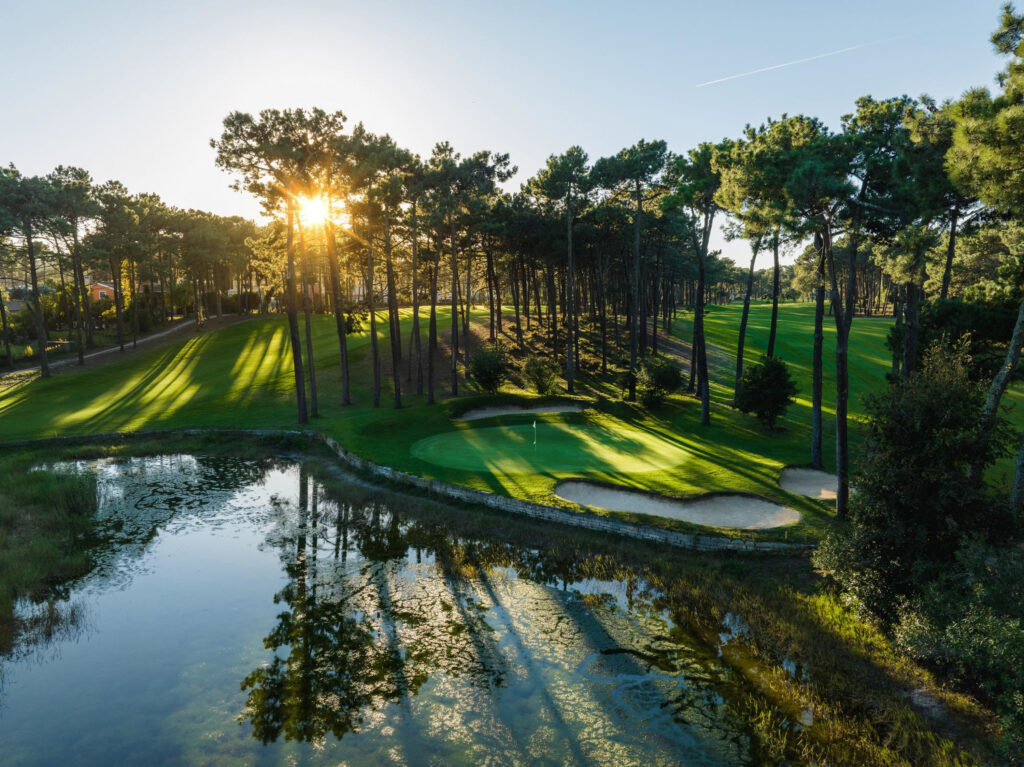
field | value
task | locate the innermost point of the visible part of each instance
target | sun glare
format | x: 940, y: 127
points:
x: 313, y: 210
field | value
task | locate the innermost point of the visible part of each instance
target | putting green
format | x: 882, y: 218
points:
x: 560, y: 447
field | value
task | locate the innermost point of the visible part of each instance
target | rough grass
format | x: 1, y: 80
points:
x: 43, y: 515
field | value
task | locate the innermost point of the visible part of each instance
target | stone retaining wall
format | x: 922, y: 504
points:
x: 467, y: 495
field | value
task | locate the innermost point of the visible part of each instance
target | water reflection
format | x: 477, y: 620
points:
x: 339, y: 628
x: 513, y: 648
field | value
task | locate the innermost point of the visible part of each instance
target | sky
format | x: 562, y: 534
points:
x: 134, y: 91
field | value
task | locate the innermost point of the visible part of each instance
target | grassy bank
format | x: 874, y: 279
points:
x: 44, y: 518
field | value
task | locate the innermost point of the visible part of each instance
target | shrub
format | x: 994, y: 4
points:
x: 541, y: 374
x: 488, y: 366
x: 969, y: 623
x: 657, y: 378
x: 914, y: 502
x: 354, y: 320
x: 766, y: 390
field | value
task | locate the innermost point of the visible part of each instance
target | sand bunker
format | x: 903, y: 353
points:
x: 490, y: 412
x: 737, y: 511
x: 809, y: 482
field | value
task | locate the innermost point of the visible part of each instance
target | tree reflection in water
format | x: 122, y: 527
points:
x: 356, y: 637
x: 475, y: 648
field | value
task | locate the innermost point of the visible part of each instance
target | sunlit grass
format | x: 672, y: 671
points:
x: 241, y: 376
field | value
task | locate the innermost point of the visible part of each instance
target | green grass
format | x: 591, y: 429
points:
x: 869, y: 362
x: 558, y: 447
x: 241, y: 377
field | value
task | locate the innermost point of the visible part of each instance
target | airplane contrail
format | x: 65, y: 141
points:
x: 794, y: 63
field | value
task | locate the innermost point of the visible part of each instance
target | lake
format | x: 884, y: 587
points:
x: 240, y: 613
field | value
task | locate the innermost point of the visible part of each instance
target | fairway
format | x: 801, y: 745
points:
x: 560, y: 448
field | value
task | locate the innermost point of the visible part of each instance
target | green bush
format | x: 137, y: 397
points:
x: 969, y: 623
x: 488, y: 366
x: 541, y: 374
x: 915, y: 502
x: 766, y: 390
x: 354, y: 320
x: 657, y: 378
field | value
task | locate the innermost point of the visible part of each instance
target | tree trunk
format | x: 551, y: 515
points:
x: 293, y: 321
x: 78, y: 290
x: 491, y: 329
x: 526, y: 292
x: 90, y: 341
x: 432, y: 323
x: 635, y: 309
x: 374, y: 348
x: 1017, y: 496
x: 703, y: 386
x: 897, y: 313
x: 947, y: 273
x: 743, y: 328
x: 987, y: 421
x: 817, y: 461
x: 37, y: 307
x: 912, y: 323
x: 642, y: 319
x: 314, y: 409
x: 552, y: 312
x: 655, y: 284
x: 6, y: 332
x: 416, y: 345
x: 843, y: 313
x: 514, y: 285
x: 691, y: 386
x: 339, y: 310
x: 134, y: 296
x: 455, y: 311
x: 468, y: 309
x: 602, y: 309
x: 775, y: 293
x: 115, y: 268
x: 570, y: 362
x: 393, y: 323
x: 842, y: 435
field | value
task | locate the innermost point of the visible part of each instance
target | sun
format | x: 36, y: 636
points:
x: 312, y: 210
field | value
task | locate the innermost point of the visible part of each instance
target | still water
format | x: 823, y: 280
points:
x: 239, y: 614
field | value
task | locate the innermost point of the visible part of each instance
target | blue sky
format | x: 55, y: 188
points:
x: 134, y: 91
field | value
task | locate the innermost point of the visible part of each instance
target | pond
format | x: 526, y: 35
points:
x: 239, y: 613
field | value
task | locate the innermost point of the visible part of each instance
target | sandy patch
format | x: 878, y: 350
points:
x: 809, y: 482
x: 737, y: 511
x: 490, y: 412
